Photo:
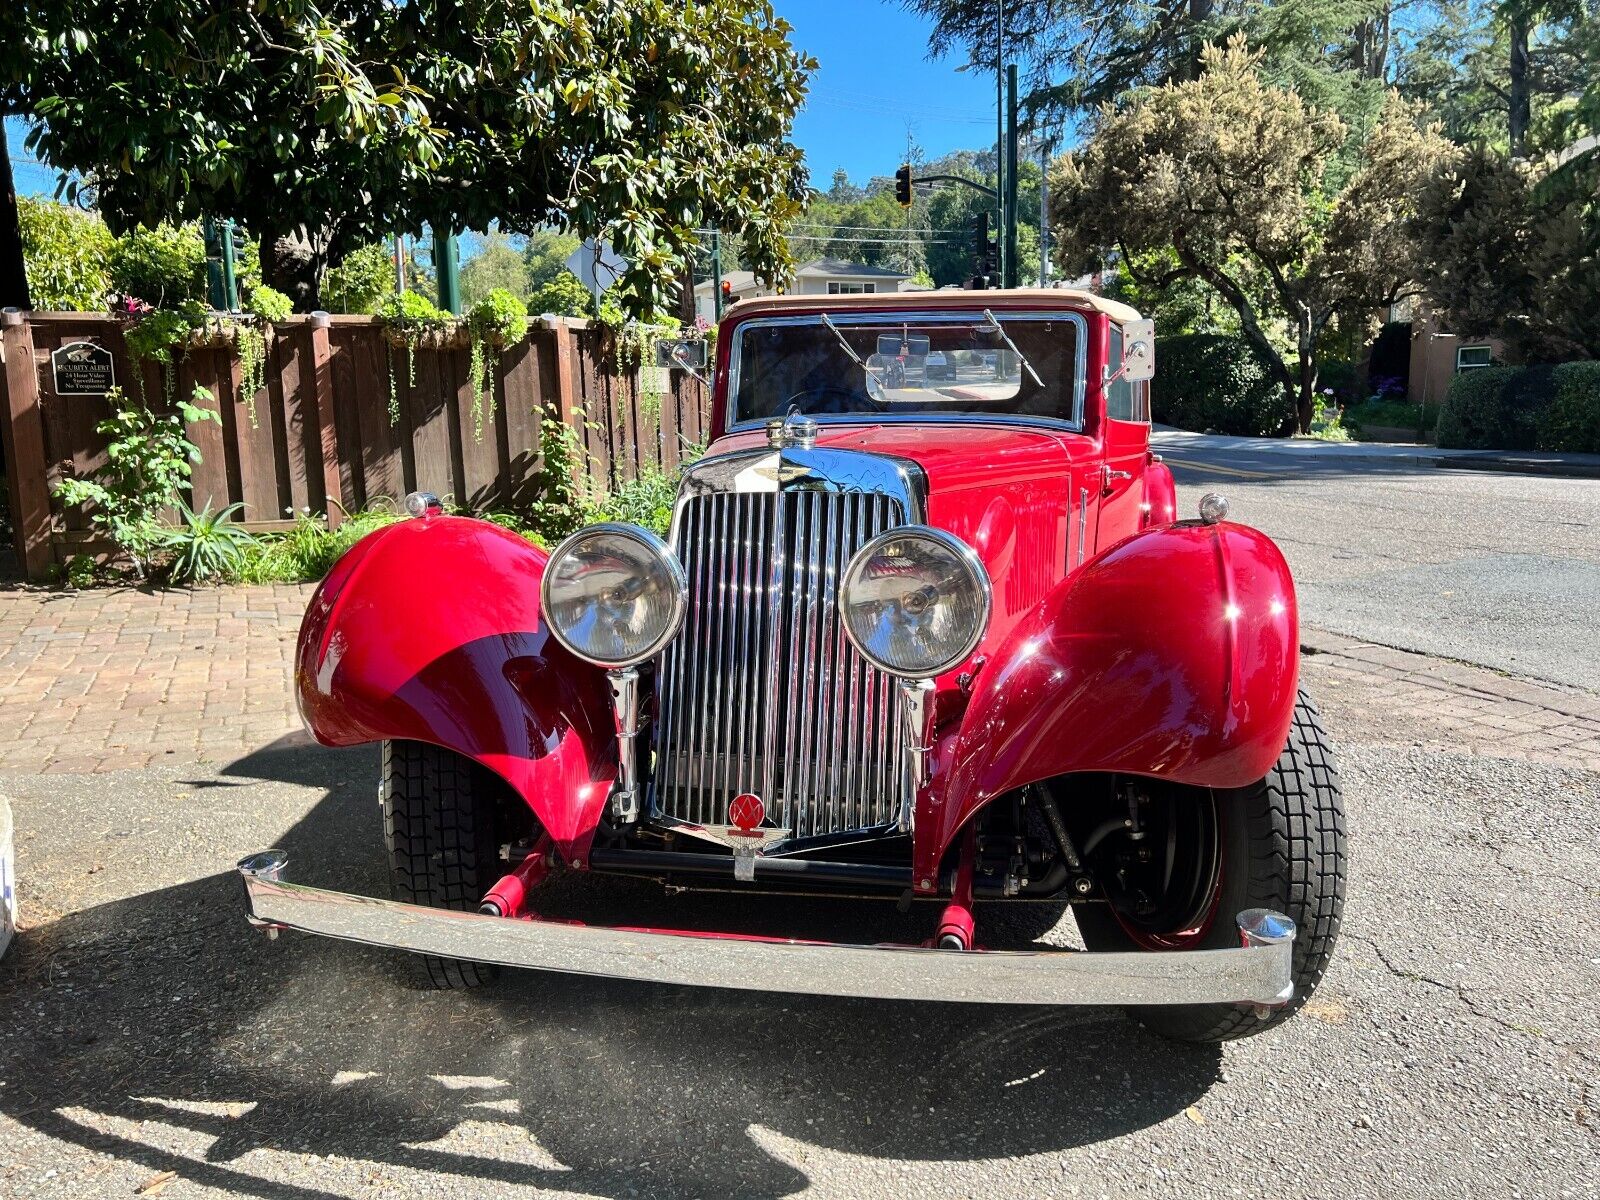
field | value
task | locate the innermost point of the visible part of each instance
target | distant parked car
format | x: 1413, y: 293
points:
x: 911, y: 643
x: 939, y: 366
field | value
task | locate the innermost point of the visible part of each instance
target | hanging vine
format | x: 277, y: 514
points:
x: 497, y: 321
x: 411, y: 320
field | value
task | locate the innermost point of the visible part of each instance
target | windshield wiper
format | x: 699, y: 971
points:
x: 1021, y: 357
x: 874, y: 388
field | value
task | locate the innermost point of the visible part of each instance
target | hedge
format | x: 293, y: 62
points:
x: 1209, y: 381
x: 1523, y: 408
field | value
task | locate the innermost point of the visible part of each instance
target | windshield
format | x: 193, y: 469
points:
x: 949, y: 364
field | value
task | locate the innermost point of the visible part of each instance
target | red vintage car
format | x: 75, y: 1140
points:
x: 925, y: 639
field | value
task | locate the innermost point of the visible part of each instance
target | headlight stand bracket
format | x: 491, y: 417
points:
x: 916, y: 702
x: 624, y: 683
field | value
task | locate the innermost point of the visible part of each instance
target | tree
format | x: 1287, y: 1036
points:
x: 360, y: 281
x: 545, y: 256
x: 1508, y: 251
x: 497, y: 264
x: 325, y: 127
x: 1241, y: 181
x: 67, y: 253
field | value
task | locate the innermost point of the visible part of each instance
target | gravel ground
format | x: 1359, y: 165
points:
x: 145, y: 1029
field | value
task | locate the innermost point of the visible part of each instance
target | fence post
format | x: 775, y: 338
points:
x: 25, y: 464
x: 569, y: 411
x: 322, y: 394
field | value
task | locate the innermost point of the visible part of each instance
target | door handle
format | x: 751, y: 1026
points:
x: 1108, y: 476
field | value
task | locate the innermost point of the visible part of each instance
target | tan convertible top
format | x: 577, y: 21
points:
x: 948, y: 298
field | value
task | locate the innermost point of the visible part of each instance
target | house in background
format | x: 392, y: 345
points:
x: 1438, y: 357
x: 819, y: 277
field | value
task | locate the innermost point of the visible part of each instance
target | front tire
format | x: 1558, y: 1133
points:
x: 1280, y: 845
x: 441, y: 827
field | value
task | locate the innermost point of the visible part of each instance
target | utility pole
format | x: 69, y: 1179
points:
x: 716, y: 274
x: 1011, y: 268
x: 1044, y: 214
x: 447, y: 265
x: 1000, y: 131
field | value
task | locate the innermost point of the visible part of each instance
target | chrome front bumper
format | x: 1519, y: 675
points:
x: 1257, y: 973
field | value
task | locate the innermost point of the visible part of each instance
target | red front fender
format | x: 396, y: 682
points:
x: 429, y: 630
x: 1174, y: 654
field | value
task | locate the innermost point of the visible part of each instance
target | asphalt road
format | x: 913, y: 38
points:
x: 1498, y: 570
x: 146, y: 1029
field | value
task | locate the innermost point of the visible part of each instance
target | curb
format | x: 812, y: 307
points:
x: 1523, y: 466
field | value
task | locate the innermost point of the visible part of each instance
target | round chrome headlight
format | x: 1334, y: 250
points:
x: 915, y: 601
x: 614, y: 594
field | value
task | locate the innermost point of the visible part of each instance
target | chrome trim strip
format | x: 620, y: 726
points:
x: 1257, y: 973
x: 951, y: 317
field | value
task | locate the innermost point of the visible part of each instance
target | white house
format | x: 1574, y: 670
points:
x: 819, y: 277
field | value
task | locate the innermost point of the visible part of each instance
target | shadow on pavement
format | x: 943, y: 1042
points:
x: 167, y: 1008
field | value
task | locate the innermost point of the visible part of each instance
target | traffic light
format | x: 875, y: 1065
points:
x: 902, y: 185
x: 985, y: 254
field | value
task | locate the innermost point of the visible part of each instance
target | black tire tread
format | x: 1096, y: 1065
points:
x: 439, y: 830
x: 1296, y: 864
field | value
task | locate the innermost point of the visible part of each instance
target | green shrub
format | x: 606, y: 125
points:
x: 1495, y: 408
x: 308, y: 551
x: 206, y: 545
x: 149, y: 461
x: 1391, y: 414
x: 1571, y: 421
x: 1212, y: 381
x: 163, y: 266
x: 67, y: 255
x: 361, y: 282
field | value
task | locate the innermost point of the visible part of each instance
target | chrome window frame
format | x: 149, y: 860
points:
x: 929, y: 317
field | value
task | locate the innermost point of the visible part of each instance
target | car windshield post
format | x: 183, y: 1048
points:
x: 1021, y: 357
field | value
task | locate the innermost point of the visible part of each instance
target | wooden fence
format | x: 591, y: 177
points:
x: 320, y: 434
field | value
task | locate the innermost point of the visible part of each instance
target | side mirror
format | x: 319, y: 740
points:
x: 1139, y: 351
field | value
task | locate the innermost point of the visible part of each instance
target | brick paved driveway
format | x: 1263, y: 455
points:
x: 110, y: 679
x: 114, y: 679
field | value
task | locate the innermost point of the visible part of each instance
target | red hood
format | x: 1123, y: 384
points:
x: 954, y: 457
x: 1007, y: 491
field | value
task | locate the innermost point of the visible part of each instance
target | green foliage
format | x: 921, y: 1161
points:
x: 565, y: 495
x: 271, y: 305
x: 411, y: 319
x: 67, y: 254
x: 1378, y: 412
x: 162, y: 265
x: 1327, y: 423
x: 646, y: 500
x: 545, y: 257
x: 1320, y: 237
x: 635, y: 120
x: 82, y: 571
x: 1495, y: 408
x: 206, y: 545
x: 498, y: 266
x: 495, y: 322
x: 1207, y: 381
x: 150, y: 460
x: 362, y: 282
x: 1503, y: 256
x: 562, y: 296
x: 308, y: 551
x: 1571, y: 421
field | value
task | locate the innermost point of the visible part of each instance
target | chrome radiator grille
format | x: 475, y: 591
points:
x: 762, y: 691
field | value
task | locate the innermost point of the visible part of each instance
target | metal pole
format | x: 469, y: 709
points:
x: 214, y: 292
x: 1012, y: 269
x: 399, y: 262
x: 1044, y: 214
x: 447, y: 265
x: 716, y: 274
x: 230, y: 278
x: 1000, y: 135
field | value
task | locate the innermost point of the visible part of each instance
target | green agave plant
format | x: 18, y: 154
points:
x: 206, y: 545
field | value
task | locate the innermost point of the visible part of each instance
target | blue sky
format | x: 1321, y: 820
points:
x: 874, y: 81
